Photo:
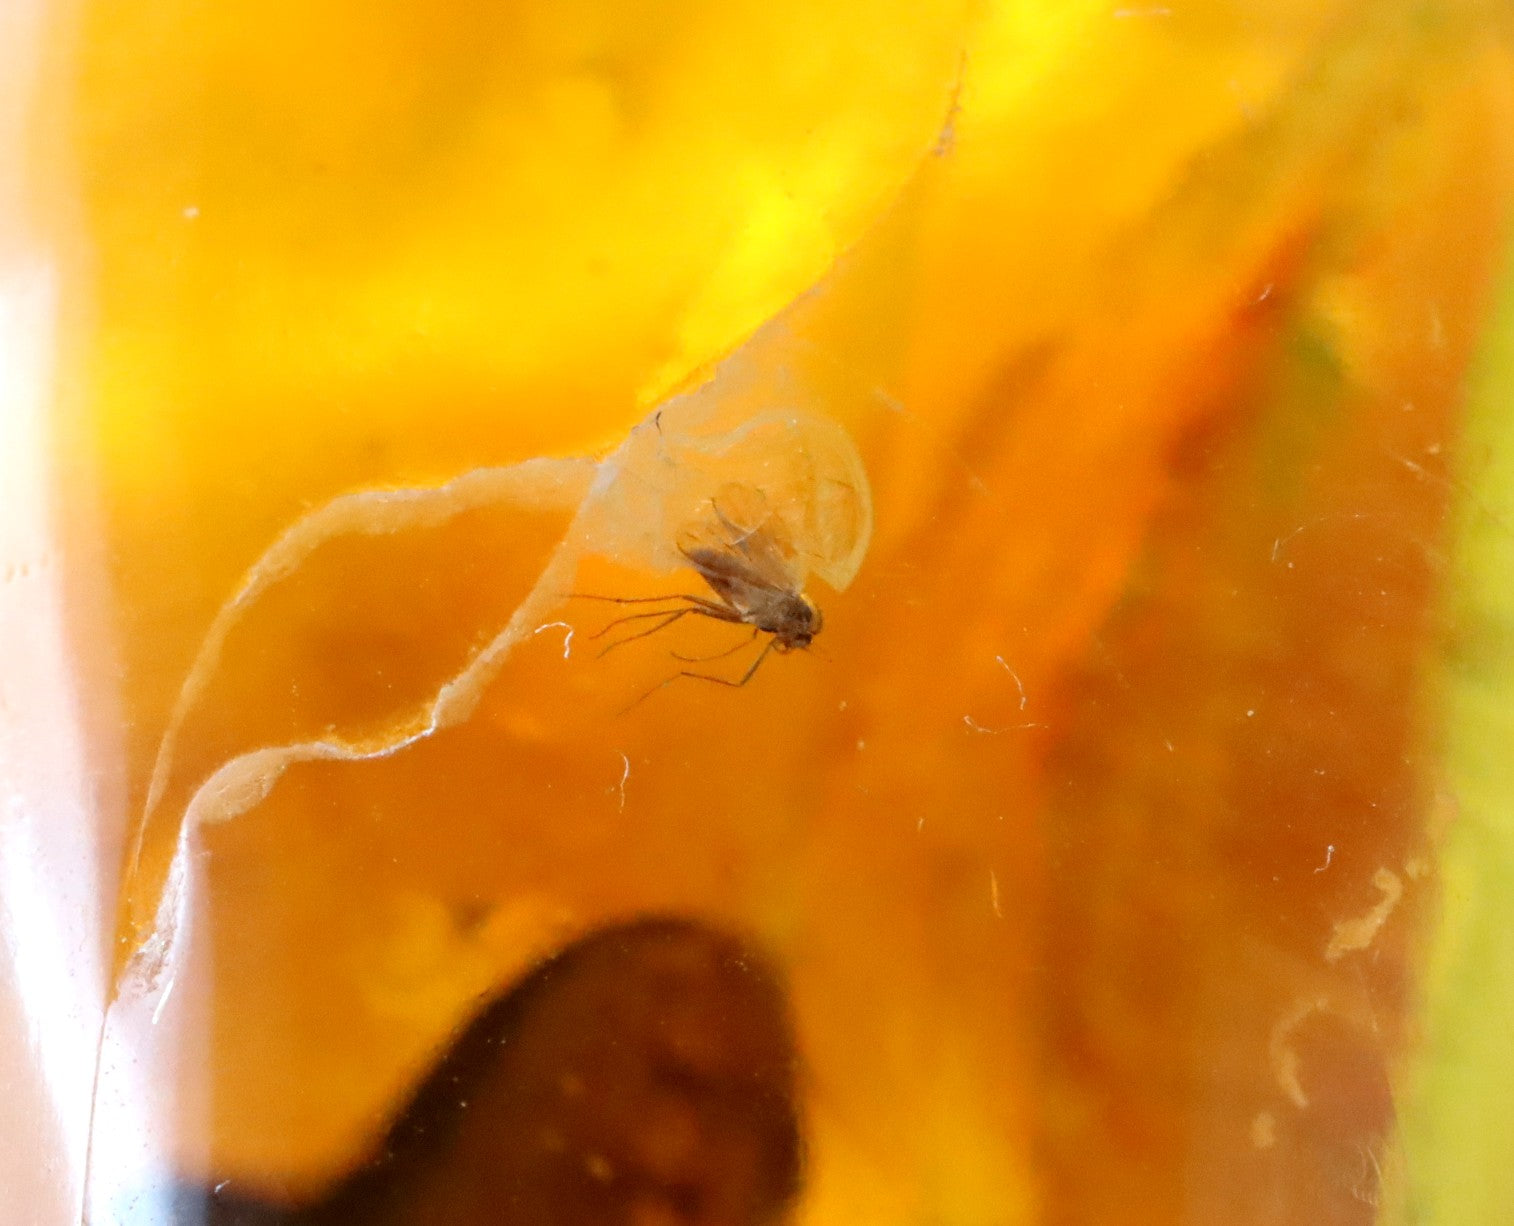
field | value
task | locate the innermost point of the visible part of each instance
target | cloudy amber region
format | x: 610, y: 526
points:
x: 1094, y: 838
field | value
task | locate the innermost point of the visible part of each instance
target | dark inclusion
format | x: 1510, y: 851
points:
x: 644, y: 1076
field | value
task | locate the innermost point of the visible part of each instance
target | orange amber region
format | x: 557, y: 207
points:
x: 1092, y: 837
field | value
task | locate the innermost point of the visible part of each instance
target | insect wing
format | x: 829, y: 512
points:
x: 731, y: 578
x: 742, y: 525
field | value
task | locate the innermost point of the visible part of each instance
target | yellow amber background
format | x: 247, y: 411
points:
x: 1152, y: 323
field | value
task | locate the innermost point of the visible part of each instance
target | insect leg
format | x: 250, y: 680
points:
x: 702, y: 604
x: 636, y: 617
x: 745, y: 677
x: 667, y: 620
x: 719, y: 655
x: 629, y: 599
x: 704, y: 608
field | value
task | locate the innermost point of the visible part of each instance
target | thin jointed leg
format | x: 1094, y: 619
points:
x: 719, y: 655
x: 667, y: 620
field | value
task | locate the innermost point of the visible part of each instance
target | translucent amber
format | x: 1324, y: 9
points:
x: 1096, y: 836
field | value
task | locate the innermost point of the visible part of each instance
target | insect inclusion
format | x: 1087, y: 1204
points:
x: 745, y: 554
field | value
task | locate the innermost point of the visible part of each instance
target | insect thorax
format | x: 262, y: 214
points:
x: 791, y: 619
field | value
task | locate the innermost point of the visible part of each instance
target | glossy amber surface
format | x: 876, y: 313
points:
x: 1095, y: 840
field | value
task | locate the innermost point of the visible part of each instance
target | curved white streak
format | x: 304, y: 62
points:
x: 365, y: 513
x: 629, y: 506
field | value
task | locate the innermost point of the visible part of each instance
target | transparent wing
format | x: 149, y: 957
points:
x: 741, y: 540
x: 792, y: 484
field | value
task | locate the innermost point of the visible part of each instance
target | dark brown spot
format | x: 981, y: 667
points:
x: 646, y: 1074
